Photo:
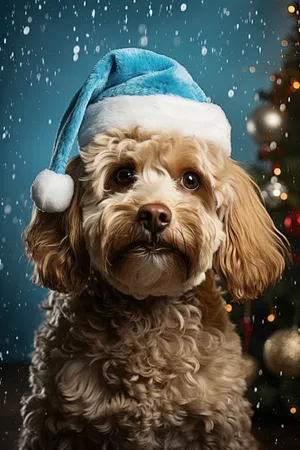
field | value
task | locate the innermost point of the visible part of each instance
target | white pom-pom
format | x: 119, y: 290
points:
x: 52, y: 192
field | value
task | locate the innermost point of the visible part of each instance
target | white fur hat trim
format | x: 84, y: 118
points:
x: 157, y: 113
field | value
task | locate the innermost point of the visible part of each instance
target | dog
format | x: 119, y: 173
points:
x: 137, y: 350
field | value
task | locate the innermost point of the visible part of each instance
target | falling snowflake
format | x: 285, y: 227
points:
x: 142, y: 28
x: 143, y: 41
x: 204, y: 50
x: 7, y: 209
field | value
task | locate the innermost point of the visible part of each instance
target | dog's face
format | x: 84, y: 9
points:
x: 152, y: 213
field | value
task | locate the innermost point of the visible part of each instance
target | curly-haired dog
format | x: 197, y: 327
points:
x: 137, y: 351
x: 140, y: 352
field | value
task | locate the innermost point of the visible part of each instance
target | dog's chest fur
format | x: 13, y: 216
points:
x: 136, y: 370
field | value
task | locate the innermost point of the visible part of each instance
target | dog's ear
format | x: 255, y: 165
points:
x: 55, y: 244
x: 252, y: 255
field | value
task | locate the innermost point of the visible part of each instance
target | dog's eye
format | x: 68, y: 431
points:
x: 190, y: 181
x: 124, y: 175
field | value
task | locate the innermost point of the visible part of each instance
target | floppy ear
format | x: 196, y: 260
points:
x: 252, y: 255
x: 54, y: 242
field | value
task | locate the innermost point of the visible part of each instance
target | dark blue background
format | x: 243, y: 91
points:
x: 217, y: 41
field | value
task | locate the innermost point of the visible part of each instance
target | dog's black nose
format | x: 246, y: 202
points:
x: 154, y: 217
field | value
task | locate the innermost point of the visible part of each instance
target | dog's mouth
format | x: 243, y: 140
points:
x: 149, y: 248
x: 142, y: 249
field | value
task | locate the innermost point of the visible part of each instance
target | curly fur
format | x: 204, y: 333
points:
x: 137, y: 351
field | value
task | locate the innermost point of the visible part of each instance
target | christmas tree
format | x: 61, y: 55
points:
x: 269, y: 325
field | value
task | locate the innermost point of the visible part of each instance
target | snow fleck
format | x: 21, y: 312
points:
x: 204, y: 50
x: 230, y: 93
x: 29, y: 19
x: 7, y: 209
x: 26, y: 30
x: 75, y: 57
x: 143, y: 41
x: 177, y: 41
x: 97, y: 49
x: 183, y: 7
x: 76, y: 49
x: 142, y: 28
x: 93, y: 13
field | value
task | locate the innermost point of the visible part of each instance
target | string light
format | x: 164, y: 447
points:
x: 272, y: 78
x: 271, y: 317
x: 228, y: 307
x: 284, y: 196
x: 252, y: 69
x: 296, y: 85
x: 284, y: 43
x: 291, y: 9
x: 277, y: 171
x: 293, y: 410
x: 287, y: 222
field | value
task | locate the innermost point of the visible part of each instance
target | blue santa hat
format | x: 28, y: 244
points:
x: 128, y: 87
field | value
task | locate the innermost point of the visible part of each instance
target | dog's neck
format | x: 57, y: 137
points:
x: 104, y: 292
x: 202, y: 307
x: 111, y: 297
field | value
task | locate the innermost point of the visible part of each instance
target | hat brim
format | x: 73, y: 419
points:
x: 157, y: 113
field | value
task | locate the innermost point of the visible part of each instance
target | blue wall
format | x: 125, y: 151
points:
x: 216, y: 41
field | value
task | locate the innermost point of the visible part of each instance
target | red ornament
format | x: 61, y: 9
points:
x: 279, y: 151
x: 264, y: 151
x: 292, y: 223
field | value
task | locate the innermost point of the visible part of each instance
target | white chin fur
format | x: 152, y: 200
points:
x: 158, y: 277
x: 52, y: 192
x: 165, y: 289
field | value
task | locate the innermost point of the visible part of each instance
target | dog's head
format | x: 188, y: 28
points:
x: 151, y: 214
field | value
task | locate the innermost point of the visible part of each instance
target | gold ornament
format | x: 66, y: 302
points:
x: 251, y: 367
x: 267, y: 124
x: 282, y: 352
